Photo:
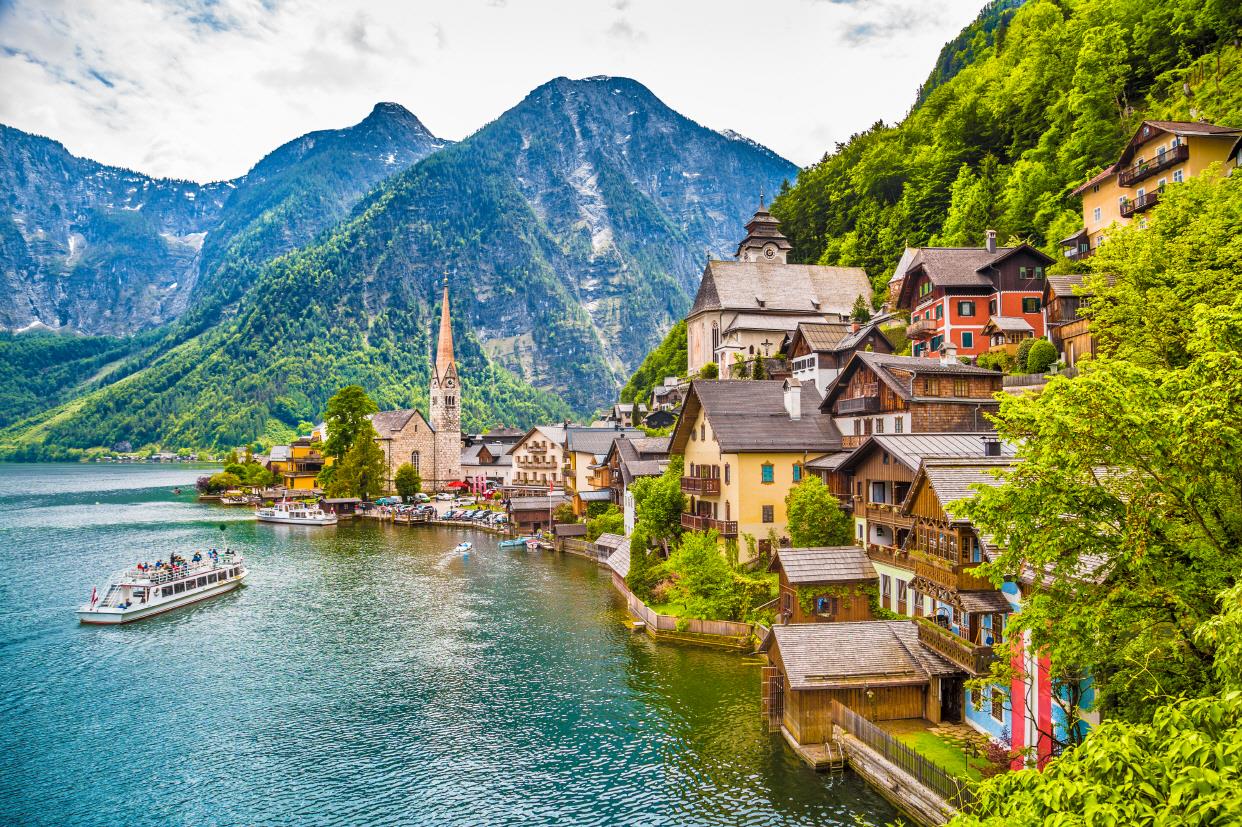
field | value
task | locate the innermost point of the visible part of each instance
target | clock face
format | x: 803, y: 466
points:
x: 448, y: 383
x: 769, y: 251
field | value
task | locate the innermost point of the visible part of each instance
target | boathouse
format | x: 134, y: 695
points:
x: 825, y: 584
x: 877, y: 668
x: 531, y: 514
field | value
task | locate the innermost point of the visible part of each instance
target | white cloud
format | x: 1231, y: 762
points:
x: 203, y: 88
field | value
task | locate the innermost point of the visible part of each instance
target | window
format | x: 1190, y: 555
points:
x: 797, y: 472
x: 857, y: 427
x: 968, y: 339
x: 899, y: 425
x: 858, y: 527
x: 1140, y: 193
x: 925, y: 288
x: 965, y: 308
x: 1030, y: 305
x: 768, y: 473
x: 703, y: 431
x: 1161, y: 184
x: 1122, y: 201
x: 901, y: 591
x: 726, y: 482
x: 961, y: 387
x: 940, y: 311
x: 1039, y: 272
x: 998, y: 703
x: 932, y: 386
x: 992, y: 307
x: 414, y: 460
x: 769, y: 515
x: 1178, y: 176
x: 826, y: 606
x: 1097, y: 214
x: 879, y: 425
x: 886, y: 587
x: 936, y: 342
x: 867, y: 427
x: 1024, y: 272
x: 884, y: 458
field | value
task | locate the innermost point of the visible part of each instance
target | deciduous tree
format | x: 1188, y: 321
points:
x: 815, y: 516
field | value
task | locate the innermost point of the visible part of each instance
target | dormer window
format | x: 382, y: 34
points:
x: 760, y: 302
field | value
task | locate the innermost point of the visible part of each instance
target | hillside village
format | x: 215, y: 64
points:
x: 796, y: 383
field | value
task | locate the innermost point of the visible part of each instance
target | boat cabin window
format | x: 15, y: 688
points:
x: 202, y: 581
x: 211, y: 578
x: 178, y: 588
x: 166, y: 591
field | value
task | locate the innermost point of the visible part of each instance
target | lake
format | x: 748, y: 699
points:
x: 364, y: 675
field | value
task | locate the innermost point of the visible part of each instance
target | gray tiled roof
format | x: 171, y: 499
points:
x: 1070, y: 285
x: 610, y: 541
x: 957, y: 266
x: 596, y: 440
x: 762, y: 321
x: 1009, y: 324
x: 898, y: 371
x: 389, y: 422
x: 911, y: 449
x: 984, y: 602
x: 619, y: 560
x: 537, y: 503
x: 749, y: 415
x: 740, y: 285
x: 829, y: 462
x: 873, y: 653
x: 595, y: 495
x: 953, y: 479
x: 827, y: 564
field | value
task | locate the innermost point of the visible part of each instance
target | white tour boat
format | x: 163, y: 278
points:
x: 295, y: 513
x: 139, y: 592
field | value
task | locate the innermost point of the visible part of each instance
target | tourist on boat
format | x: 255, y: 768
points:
x: 197, y: 557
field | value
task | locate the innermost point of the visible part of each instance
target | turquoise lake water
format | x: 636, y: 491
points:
x: 364, y: 675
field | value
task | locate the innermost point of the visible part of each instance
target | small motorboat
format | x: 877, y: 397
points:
x: 514, y: 542
x: 532, y: 544
x: 463, y: 547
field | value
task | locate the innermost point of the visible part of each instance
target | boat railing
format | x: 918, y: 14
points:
x: 166, y: 574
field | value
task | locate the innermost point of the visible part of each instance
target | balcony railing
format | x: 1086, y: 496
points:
x: 975, y: 659
x: 922, y: 329
x: 859, y: 404
x: 1146, y: 169
x: 889, y: 514
x: 693, y: 522
x: 956, y: 576
x: 1079, y: 254
x: 1144, y: 202
x: 700, y: 485
x: 888, y: 554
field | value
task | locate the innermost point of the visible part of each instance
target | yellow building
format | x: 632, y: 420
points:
x: 1160, y: 153
x: 585, y: 450
x: 297, y: 464
x: 745, y: 444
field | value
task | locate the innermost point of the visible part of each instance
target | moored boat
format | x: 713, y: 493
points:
x: 295, y: 513
x: 144, y: 590
x: 514, y: 542
x: 463, y: 547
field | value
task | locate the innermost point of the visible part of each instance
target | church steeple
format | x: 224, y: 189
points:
x: 444, y: 347
x: 764, y: 240
x: 445, y: 388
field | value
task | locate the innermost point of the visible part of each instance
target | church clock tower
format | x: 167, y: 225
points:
x: 764, y: 240
x: 446, y: 403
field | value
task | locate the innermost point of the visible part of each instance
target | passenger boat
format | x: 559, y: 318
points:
x: 463, y: 548
x: 514, y: 542
x: 295, y: 513
x: 143, y: 591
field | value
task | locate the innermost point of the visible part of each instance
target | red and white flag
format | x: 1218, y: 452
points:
x: 94, y: 595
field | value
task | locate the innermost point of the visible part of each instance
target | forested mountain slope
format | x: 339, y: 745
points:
x: 1003, y: 142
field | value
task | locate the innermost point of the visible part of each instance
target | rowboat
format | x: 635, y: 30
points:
x: 515, y: 542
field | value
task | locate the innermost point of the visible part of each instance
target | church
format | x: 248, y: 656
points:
x: 432, y: 445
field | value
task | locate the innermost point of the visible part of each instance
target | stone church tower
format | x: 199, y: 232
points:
x: 764, y: 240
x: 445, y: 404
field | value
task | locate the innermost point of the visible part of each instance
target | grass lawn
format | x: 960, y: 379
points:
x: 673, y: 609
x: 945, y: 754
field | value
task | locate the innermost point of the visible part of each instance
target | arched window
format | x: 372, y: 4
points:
x: 414, y: 460
x: 715, y: 337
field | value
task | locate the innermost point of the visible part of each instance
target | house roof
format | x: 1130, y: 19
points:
x: 954, y: 479
x: 911, y: 449
x: 984, y: 602
x: 553, y: 433
x: 826, y: 564
x: 389, y: 422
x: 1008, y: 324
x: 537, y: 503
x: 898, y: 373
x: 582, y: 440
x: 569, y: 530
x: 279, y: 453
x: 829, y: 462
x: 864, y: 653
x: 1064, y: 285
x: 833, y: 337
x: 961, y: 267
x: 610, y: 541
x: 1102, y: 175
x: 749, y: 415
x: 775, y: 321
x: 1182, y: 128
x: 593, y: 495
x: 619, y: 560
x: 770, y: 286
x: 500, y: 450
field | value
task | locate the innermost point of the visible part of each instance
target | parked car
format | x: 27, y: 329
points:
x: 421, y: 498
x: 444, y: 497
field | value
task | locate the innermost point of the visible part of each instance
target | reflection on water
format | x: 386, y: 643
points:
x: 363, y: 676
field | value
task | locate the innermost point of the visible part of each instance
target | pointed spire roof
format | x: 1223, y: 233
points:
x: 444, y: 347
x: 761, y: 229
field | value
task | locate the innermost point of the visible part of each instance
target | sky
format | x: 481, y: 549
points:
x: 202, y: 89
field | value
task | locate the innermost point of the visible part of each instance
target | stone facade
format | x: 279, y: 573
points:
x: 405, y: 436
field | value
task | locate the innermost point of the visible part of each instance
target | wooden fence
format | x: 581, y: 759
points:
x: 668, y: 623
x: 957, y: 791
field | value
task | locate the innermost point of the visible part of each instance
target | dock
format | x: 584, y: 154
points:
x: 825, y: 757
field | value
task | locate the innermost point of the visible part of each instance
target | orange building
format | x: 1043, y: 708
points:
x: 1160, y: 153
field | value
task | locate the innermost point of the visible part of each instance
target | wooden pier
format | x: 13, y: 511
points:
x: 825, y: 757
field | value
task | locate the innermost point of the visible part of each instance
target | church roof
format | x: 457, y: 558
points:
x: 765, y: 287
x: 388, y: 423
x: 444, y: 346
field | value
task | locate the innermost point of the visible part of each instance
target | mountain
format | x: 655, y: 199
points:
x: 104, y: 250
x: 572, y: 229
x: 1009, y: 125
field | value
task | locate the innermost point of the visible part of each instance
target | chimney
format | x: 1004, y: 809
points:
x: 793, y: 398
x: 854, y: 326
x: 990, y: 242
x: 948, y: 354
x: 991, y: 446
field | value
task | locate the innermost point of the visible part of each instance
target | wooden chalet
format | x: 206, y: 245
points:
x: 1068, y: 330
x: 878, y: 393
x: 531, y: 514
x: 1005, y: 334
x: 835, y: 577
x: 817, y: 352
x: 879, y: 669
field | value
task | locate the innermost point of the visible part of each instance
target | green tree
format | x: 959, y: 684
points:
x: 976, y: 204
x: 1023, y: 355
x: 363, y: 470
x: 1043, y: 355
x: 407, y: 481
x: 645, y: 570
x: 659, y: 503
x: 564, y: 513
x: 861, y: 311
x: 609, y: 521
x: 710, y: 371
x: 815, y: 516
x: 223, y: 481
x: 704, y: 579
x: 757, y: 370
x: 346, y: 418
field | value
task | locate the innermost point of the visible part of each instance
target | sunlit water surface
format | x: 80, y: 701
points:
x: 365, y: 675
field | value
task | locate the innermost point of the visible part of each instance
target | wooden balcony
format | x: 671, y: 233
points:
x: 955, y: 576
x: 1144, y: 202
x: 693, y: 522
x: 858, y: 405
x: 922, y: 329
x: 891, y: 555
x: 975, y: 659
x: 1146, y: 169
x: 700, y: 485
x: 889, y: 514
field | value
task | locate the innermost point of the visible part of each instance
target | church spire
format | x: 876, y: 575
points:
x: 444, y: 348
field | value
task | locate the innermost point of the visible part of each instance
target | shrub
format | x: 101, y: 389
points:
x: 611, y: 521
x: 709, y: 371
x: 564, y: 513
x: 1024, y: 350
x: 1043, y: 355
